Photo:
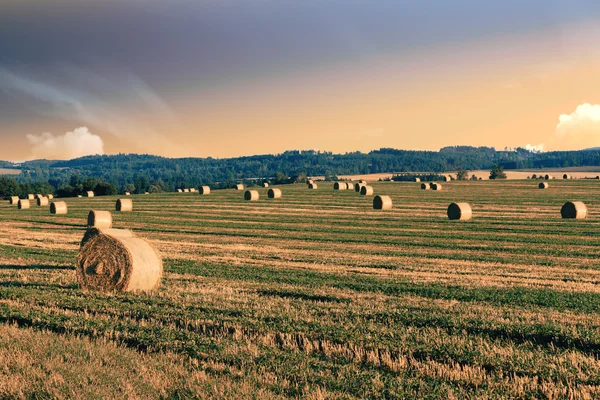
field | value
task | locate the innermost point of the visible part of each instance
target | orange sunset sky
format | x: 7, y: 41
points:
x: 233, y: 78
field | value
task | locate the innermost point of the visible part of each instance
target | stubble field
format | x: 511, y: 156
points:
x: 314, y: 295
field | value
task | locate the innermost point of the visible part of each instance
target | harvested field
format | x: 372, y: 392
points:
x: 315, y: 295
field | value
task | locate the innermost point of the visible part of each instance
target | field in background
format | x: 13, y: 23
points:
x: 8, y: 171
x: 575, y: 172
x: 314, y: 295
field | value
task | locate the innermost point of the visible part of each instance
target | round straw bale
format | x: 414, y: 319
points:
x: 89, y: 193
x: 23, y: 204
x: 313, y: 186
x: 193, y: 190
x: 363, y: 182
x: 358, y: 186
x: 274, y: 193
x: 265, y: 184
x: 340, y: 186
x: 42, y: 201
x: 179, y: 190
x: 543, y: 185
x: 366, y: 190
x: 124, y: 205
x: 308, y: 182
x: 99, y: 219
x: 382, y: 202
x: 424, y: 186
x: 445, y: 178
x: 127, y: 194
x: 204, y: 190
x: 460, y: 211
x: 548, y: 177
x: 147, y: 193
x: 239, y: 186
x: 251, y: 195
x: 79, y: 196
x: 186, y: 190
x: 566, y: 176
x: 574, y: 209
x: 417, y: 179
x: 38, y: 196
x: 14, y: 200
x: 116, y: 260
x: 58, y: 207
x: 50, y: 196
x: 436, y: 186
x: 30, y: 197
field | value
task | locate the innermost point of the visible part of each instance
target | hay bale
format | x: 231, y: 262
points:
x: 124, y: 205
x: 417, y: 179
x: 42, y: 201
x: 79, y: 196
x: 147, y: 193
x: 424, y: 186
x: 446, y: 178
x: 313, y: 186
x: 186, y: 190
x: 115, y: 260
x: 204, y: 190
x: 566, y: 176
x: 362, y: 182
x: 59, y: 208
x: 574, y: 209
x: 23, y: 204
x: 30, y: 196
x: 193, y: 190
x: 366, y: 190
x: 436, y: 186
x: 99, y: 219
x: 543, y: 185
x: 274, y: 193
x: 340, y: 186
x: 14, y: 200
x: 179, y: 190
x: 239, y: 186
x: 50, y: 196
x: 358, y: 186
x: 265, y: 185
x: 309, y: 182
x: 382, y: 202
x: 38, y: 196
x: 548, y: 177
x: 127, y: 194
x: 460, y: 211
x: 89, y: 193
x: 251, y: 195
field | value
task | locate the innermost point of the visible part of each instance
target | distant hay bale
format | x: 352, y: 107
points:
x: 99, y: 219
x: 566, y: 176
x: 23, y: 204
x: 543, y: 185
x: 424, y: 186
x: 147, y: 193
x: 460, y: 211
x: 50, y: 196
x: 124, y: 205
x: 179, y: 190
x: 265, y: 185
x: 30, y: 196
x: 382, y: 202
x: 436, y: 186
x: 239, y: 186
x: 38, y: 196
x: 127, y: 194
x: 274, y: 193
x: 362, y: 182
x: 340, y: 186
x: 89, y: 193
x: 42, y: 201
x: 204, y: 190
x: 548, y: 177
x: 193, y: 190
x: 251, y: 195
x: 186, y: 190
x: 116, y: 260
x: 358, y: 186
x: 446, y: 178
x: 313, y: 186
x: 417, y: 179
x: 59, y: 208
x: 14, y: 200
x: 366, y: 190
x: 574, y: 209
x: 79, y: 196
x: 310, y: 181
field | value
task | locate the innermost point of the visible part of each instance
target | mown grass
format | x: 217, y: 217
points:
x: 314, y: 295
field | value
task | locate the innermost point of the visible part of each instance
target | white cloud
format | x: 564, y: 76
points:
x: 583, y: 123
x: 534, y: 149
x: 81, y: 142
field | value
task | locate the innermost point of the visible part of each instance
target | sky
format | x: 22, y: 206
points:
x: 226, y: 78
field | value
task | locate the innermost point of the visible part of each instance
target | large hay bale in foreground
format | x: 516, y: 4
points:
x: 239, y: 186
x: 14, y: 200
x: 274, y: 193
x: 24, y: 204
x: 124, y: 205
x: 99, y: 219
x: 543, y: 185
x: 460, y: 211
x: 436, y: 186
x: 382, y: 202
x: 115, y: 260
x: 42, y: 201
x: 340, y: 186
x: 366, y: 190
x: 424, y: 186
x: 251, y: 195
x: 204, y: 190
x: 574, y: 209
x: 313, y: 186
x: 89, y: 193
x: 30, y: 196
x: 59, y: 208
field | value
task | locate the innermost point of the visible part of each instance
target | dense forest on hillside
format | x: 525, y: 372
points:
x: 140, y: 173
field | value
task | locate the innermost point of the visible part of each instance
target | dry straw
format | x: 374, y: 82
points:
x: 193, y: 190
x: 366, y: 190
x: 186, y: 190
x: 42, y: 201
x: 310, y: 181
x: 115, y: 260
x: 566, y: 176
x: 548, y: 177
x: 38, y: 196
x: 58, y: 207
x: 99, y: 219
x: 436, y: 186
x: 124, y: 205
x: 274, y: 193
x: 251, y: 195
x: 312, y: 186
x: 382, y: 203
x: 89, y: 193
x: 574, y: 209
x: 30, y: 197
x: 417, y: 179
x: 23, y: 204
x: 50, y: 196
x: 179, y: 190
x: 446, y: 179
x: 340, y: 186
x: 265, y: 185
x: 204, y: 190
x: 127, y: 194
x: 543, y: 185
x: 424, y: 186
x: 460, y: 211
x: 14, y: 200
x: 239, y: 186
